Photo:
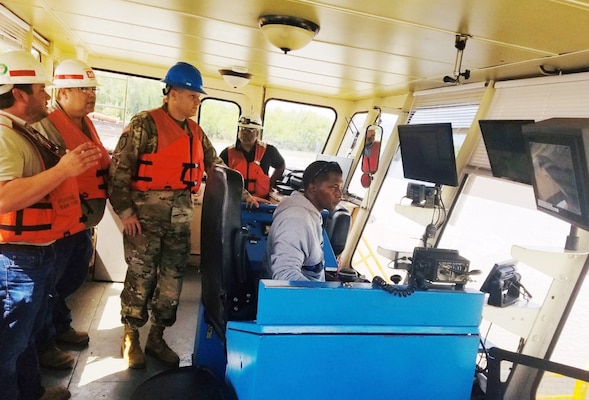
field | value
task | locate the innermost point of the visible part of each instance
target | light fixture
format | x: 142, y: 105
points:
x: 236, y: 76
x: 460, y: 44
x: 288, y: 33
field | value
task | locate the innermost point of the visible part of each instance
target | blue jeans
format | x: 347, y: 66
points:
x: 73, y: 255
x: 25, y: 276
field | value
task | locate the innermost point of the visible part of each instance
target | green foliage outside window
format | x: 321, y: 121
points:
x: 218, y: 119
x: 123, y: 96
x: 297, y: 127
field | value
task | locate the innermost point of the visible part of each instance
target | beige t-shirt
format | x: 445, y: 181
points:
x: 18, y: 157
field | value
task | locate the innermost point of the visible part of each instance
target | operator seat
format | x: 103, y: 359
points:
x: 337, y: 226
x: 228, y: 286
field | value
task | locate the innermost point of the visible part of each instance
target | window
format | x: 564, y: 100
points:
x: 352, y: 136
x: 299, y: 131
x: 120, y: 97
x: 388, y: 228
x: 218, y: 119
x: 500, y: 225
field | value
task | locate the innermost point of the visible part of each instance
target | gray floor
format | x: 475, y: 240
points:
x: 100, y: 372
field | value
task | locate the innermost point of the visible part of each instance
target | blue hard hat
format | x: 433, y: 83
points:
x: 184, y: 75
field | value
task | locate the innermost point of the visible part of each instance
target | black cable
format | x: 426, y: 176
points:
x: 395, y: 290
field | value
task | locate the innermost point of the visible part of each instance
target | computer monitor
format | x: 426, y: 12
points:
x: 558, y: 149
x: 506, y: 148
x: 427, y: 152
x: 344, y: 163
x: 502, y: 284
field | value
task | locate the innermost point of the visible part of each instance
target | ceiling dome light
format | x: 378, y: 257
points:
x: 288, y: 33
x: 236, y: 76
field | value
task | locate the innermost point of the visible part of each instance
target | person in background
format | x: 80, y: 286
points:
x: 39, y: 204
x: 294, y: 248
x: 371, y: 152
x: 69, y: 126
x: 158, y: 164
x: 253, y: 158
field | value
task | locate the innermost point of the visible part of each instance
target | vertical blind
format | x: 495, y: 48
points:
x: 456, y: 104
x: 536, y: 99
x: 14, y: 33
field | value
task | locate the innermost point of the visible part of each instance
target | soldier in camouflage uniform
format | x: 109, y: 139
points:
x: 152, y: 175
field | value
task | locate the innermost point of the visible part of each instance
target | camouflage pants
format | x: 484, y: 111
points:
x: 156, y: 260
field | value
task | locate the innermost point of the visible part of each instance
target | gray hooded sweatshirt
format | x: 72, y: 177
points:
x: 294, y: 249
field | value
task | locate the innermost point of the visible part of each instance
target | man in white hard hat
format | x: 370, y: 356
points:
x: 69, y: 126
x: 253, y: 158
x: 39, y: 204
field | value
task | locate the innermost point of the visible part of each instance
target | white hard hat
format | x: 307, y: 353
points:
x: 250, y: 120
x: 74, y: 73
x: 20, y: 67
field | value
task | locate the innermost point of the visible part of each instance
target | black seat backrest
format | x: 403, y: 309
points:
x: 228, y: 290
x: 337, y: 226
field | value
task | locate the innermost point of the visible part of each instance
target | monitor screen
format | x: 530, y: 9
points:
x: 557, y: 148
x: 506, y: 148
x: 427, y: 153
x: 344, y: 163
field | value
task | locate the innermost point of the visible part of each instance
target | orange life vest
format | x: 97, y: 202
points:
x: 92, y: 183
x: 57, y: 215
x: 255, y: 180
x: 178, y: 162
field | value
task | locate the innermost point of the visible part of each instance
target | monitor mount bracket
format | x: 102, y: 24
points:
x: 460, y: 45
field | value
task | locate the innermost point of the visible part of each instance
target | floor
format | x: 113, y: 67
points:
x: 100, y: 372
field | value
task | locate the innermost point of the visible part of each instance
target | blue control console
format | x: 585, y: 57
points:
x: 315, y: 340
x: 258, y: 221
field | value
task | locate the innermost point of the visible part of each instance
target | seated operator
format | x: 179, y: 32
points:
x: 253, y: 158
x: 294, y: 249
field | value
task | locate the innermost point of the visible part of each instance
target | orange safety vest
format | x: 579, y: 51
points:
x: 178, y: 162
x: 255, y: 180
x: 57, y: 215
x: 92, y: 183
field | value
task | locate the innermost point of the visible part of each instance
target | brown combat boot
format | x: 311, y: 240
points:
x: 131, y: 349
x: 72, y: 337
x: 54, y: 358
x: 157, y: 347
x: 56, y: 393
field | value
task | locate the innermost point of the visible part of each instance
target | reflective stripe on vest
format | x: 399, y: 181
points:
x: 58, y: 215
x: 255, y: 180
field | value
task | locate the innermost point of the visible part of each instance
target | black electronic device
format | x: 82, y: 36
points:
x: 558, y: 150
x: 285, y: 189
x: 416, y: 192
x: 433, y: 265
x: 506, y: 149
x: 427, y: 153
x: 502, y: 284
x: 421, y: 195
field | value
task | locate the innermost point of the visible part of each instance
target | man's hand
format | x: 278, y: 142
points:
x: 131, y: 226
x: 78, y: 160
x: 255, y: 201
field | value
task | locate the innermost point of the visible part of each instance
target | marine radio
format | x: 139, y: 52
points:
x: 432, y: 266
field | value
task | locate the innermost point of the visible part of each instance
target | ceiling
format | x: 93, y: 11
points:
x: 364, y: 49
